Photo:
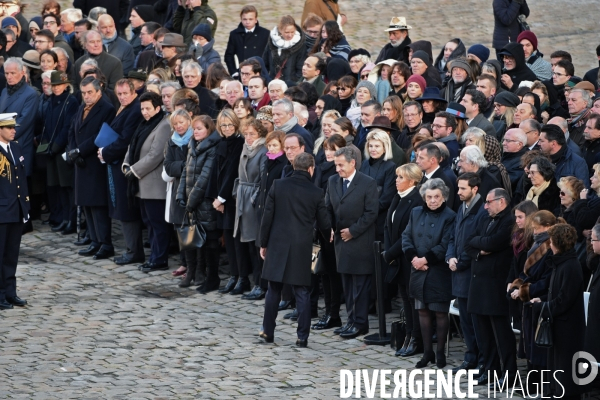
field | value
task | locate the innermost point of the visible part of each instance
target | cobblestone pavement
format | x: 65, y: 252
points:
x: 95, y: 330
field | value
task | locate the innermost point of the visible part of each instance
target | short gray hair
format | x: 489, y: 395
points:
x: 584, y: 95
x: 287, y: 105
x: 475, y: 131
x: 15, y: 60
x: 91, y: 62
x: 191, y: 64
x: 237, y: 83
x: 73, y: 14
x: 84, y: 37
x: 301, y: 110
x: 170, y: 84
x: 47, y: 74
x: 474, y: 156
x: 9, y: 32
x: 62, y: 51
x: 91, y: 80
x: 501, y: 193
x: 520, y: 135
x: 347, y: 152
x: 433, y: 184
x: 284, y: 86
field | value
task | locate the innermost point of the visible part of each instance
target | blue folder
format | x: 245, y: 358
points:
x: 106, y: 136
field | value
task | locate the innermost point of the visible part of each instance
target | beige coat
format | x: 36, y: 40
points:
x: 149, y: 167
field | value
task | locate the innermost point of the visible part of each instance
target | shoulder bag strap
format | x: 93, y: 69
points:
x: 330, y: 9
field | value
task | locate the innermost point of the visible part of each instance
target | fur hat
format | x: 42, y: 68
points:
x: 265, y: 114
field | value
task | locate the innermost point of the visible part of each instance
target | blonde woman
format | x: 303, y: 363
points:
x: 327, y: 120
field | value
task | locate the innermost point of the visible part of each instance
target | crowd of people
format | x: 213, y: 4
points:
x: 480, y: 176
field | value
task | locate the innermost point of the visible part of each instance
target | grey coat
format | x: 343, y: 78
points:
x: 250, y: 170
x: 481, y: 122
x: 149, y: 167
x: 428, y: 235
x: 357, y: 210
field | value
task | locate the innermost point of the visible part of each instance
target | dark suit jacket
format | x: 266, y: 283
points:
x: 90, y: 181
x: 14, y: 198
x: 287, y: 228
x: 356, y: 209
x: 481, y: 122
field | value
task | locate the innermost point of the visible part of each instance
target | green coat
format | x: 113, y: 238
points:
x: 185, y: 20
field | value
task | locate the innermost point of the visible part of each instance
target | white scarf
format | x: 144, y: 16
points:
x: 283, y: 44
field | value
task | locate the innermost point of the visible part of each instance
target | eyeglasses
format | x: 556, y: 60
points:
x: 531, y: 172
x: 436, y: 126
x: 528, y: 132
x: 288, y: 148
x: 341, y: 88
x: 364, y: 76
x: 558, y: 74
x: 49, y: 22
x: 492, y: 200
x: 312, y: 33
x: 41, y: 41
x: 497, y: 105
x: 227, y: 126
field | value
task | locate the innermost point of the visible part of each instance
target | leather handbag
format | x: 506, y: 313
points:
x: 398, y: 334
x: 191, y: 236
x: 543, y: 332
x: 317, y: 266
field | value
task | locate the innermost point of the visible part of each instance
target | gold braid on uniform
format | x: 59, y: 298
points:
x: 5, y: 168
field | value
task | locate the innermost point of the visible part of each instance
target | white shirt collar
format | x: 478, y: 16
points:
x: 349, y: 179
x: 429, y: 175
x: 250, y: 31
x: 532, y: 146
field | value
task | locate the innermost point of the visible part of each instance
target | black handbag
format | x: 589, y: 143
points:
x: 543, y: 332
x: 191, y: 236
x: 317, y: 266
x: 398, y: 334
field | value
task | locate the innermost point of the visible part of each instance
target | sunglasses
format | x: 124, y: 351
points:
x: 366, y: 76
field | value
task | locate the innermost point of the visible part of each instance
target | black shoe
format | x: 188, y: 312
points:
x: 242, y: 285
x: 353, y: 332
x: 83, y: 241
x: 244, y: 296
x: 60, y: 227
x: 229, y: 285
x: 16, y: 301
x: 27, y: 227
x: 257, y: 294
x: 284, y: 305
x: 69, y: 229
x: 144, y: 265
x: 48, y: 222
x: 103, y: 254
x: 208, y: 286
x: 267, y: 339
x: 483, y: 379
x: 503, y: 383
x: 90, y: 251
x: 155, y: 267
x: 341, y: 329
x: 402, y: 349
x: 426, y: 359
x: 302, y: 343
x: 465, y: 365
x: 124, y: 260
x: 327, y: 322
x: 482, y: 371
x: 415, y: 346
x: 440, y: 359
x: 293, y: 314
x: 5, y: 305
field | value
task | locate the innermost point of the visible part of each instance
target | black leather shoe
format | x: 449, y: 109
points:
x: 327, y: 322
x: 103, y: 254
x: 229, y: 285
x: 404, y: 346
x: 16, y: 301
x: 415, y: 346
x: 284, y: 305
x: 353, y: 332
x: 482, y: 371
x: 5, y: 305
x: 341, y: 329
x: 267, y: 339
x: 483, y: 379
x: 426, y: 359
x: 503, y: 383
x: 293, y: 314
x: 83, y: 241
x: 465, y: 365
x: 90, y: 251
x: 155, y: 267
x: 124, y: 260
x: 302, y: 343
x: 208, y: 286
x: 242, y: 285
x: 144, y: 265
x: 440, y: 359
x: 69, y: 229
x: 245, y: 295
x: 257, y: 294
x: 60, y: 227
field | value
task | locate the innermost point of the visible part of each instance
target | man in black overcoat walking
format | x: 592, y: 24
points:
x: 286, y: 235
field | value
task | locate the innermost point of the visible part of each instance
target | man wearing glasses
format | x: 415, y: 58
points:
x: 52, y: 23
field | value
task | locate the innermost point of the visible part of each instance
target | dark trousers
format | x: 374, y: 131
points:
x: 54, y: 204
x: 257, y: 264
x: 413, y: 326
x: 496, y: 341
x: 132, y: 232
x: 10, y: 242
x: 356, y: 292
x: 332, y: 289
x: 153, y: 215
x: 98, y: 223
x: 468, y: 329
x: 272, y: 299
x: 230, y: 248
x: 243, y: 256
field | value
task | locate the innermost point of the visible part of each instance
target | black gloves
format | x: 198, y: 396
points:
x: 55, y: 149
x: 129, y: 173
x: 76, y: 158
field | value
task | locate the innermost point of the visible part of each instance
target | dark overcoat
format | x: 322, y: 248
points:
x: 125, y: 124
x: 487, y: 292
x: 428, y: 234
x: 287, y: 228
x: 174, y: 164
x: 90, y: 181
x: 384, y: 173
x: 271, y: 171
x: 592, y: 344
x: 356, y: 209
x: 245, y: 45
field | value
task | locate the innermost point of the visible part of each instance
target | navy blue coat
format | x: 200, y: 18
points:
x: 506, y: 25
x: 461, y: 278
x: 24, y: 102
x: 56, y: 119
x: 572, y: 165
x: 90, y: 181
x: 512, y: 163
x: 384, y: 173
x: 125, y: 125
x: 245, y: 45
x: 14, y: 200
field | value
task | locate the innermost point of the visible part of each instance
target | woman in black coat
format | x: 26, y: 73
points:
x: 285, y: 52
x: 120, y: 208
x: 221, y: 183
x: 564, y: 302
x: 425, y: 243
x: 56, y: 118
x: 406, y: 198
x: 544, y: 192
x: 191, y: 194
x: 332, y: 281
x: 592, y: 344
x: 176, y: 150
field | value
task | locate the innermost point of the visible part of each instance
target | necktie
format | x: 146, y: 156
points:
x: 10, y: 154
x: 345, y: 186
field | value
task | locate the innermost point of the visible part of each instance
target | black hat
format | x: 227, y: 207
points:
x: 146, y: 12
x: 358, y: 52
x: 420, y: 54
x: 456, y: 109
x: 432, y: 93
x: 508, y: 99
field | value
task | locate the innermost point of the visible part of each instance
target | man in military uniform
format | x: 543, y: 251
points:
x: 14, y: 210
